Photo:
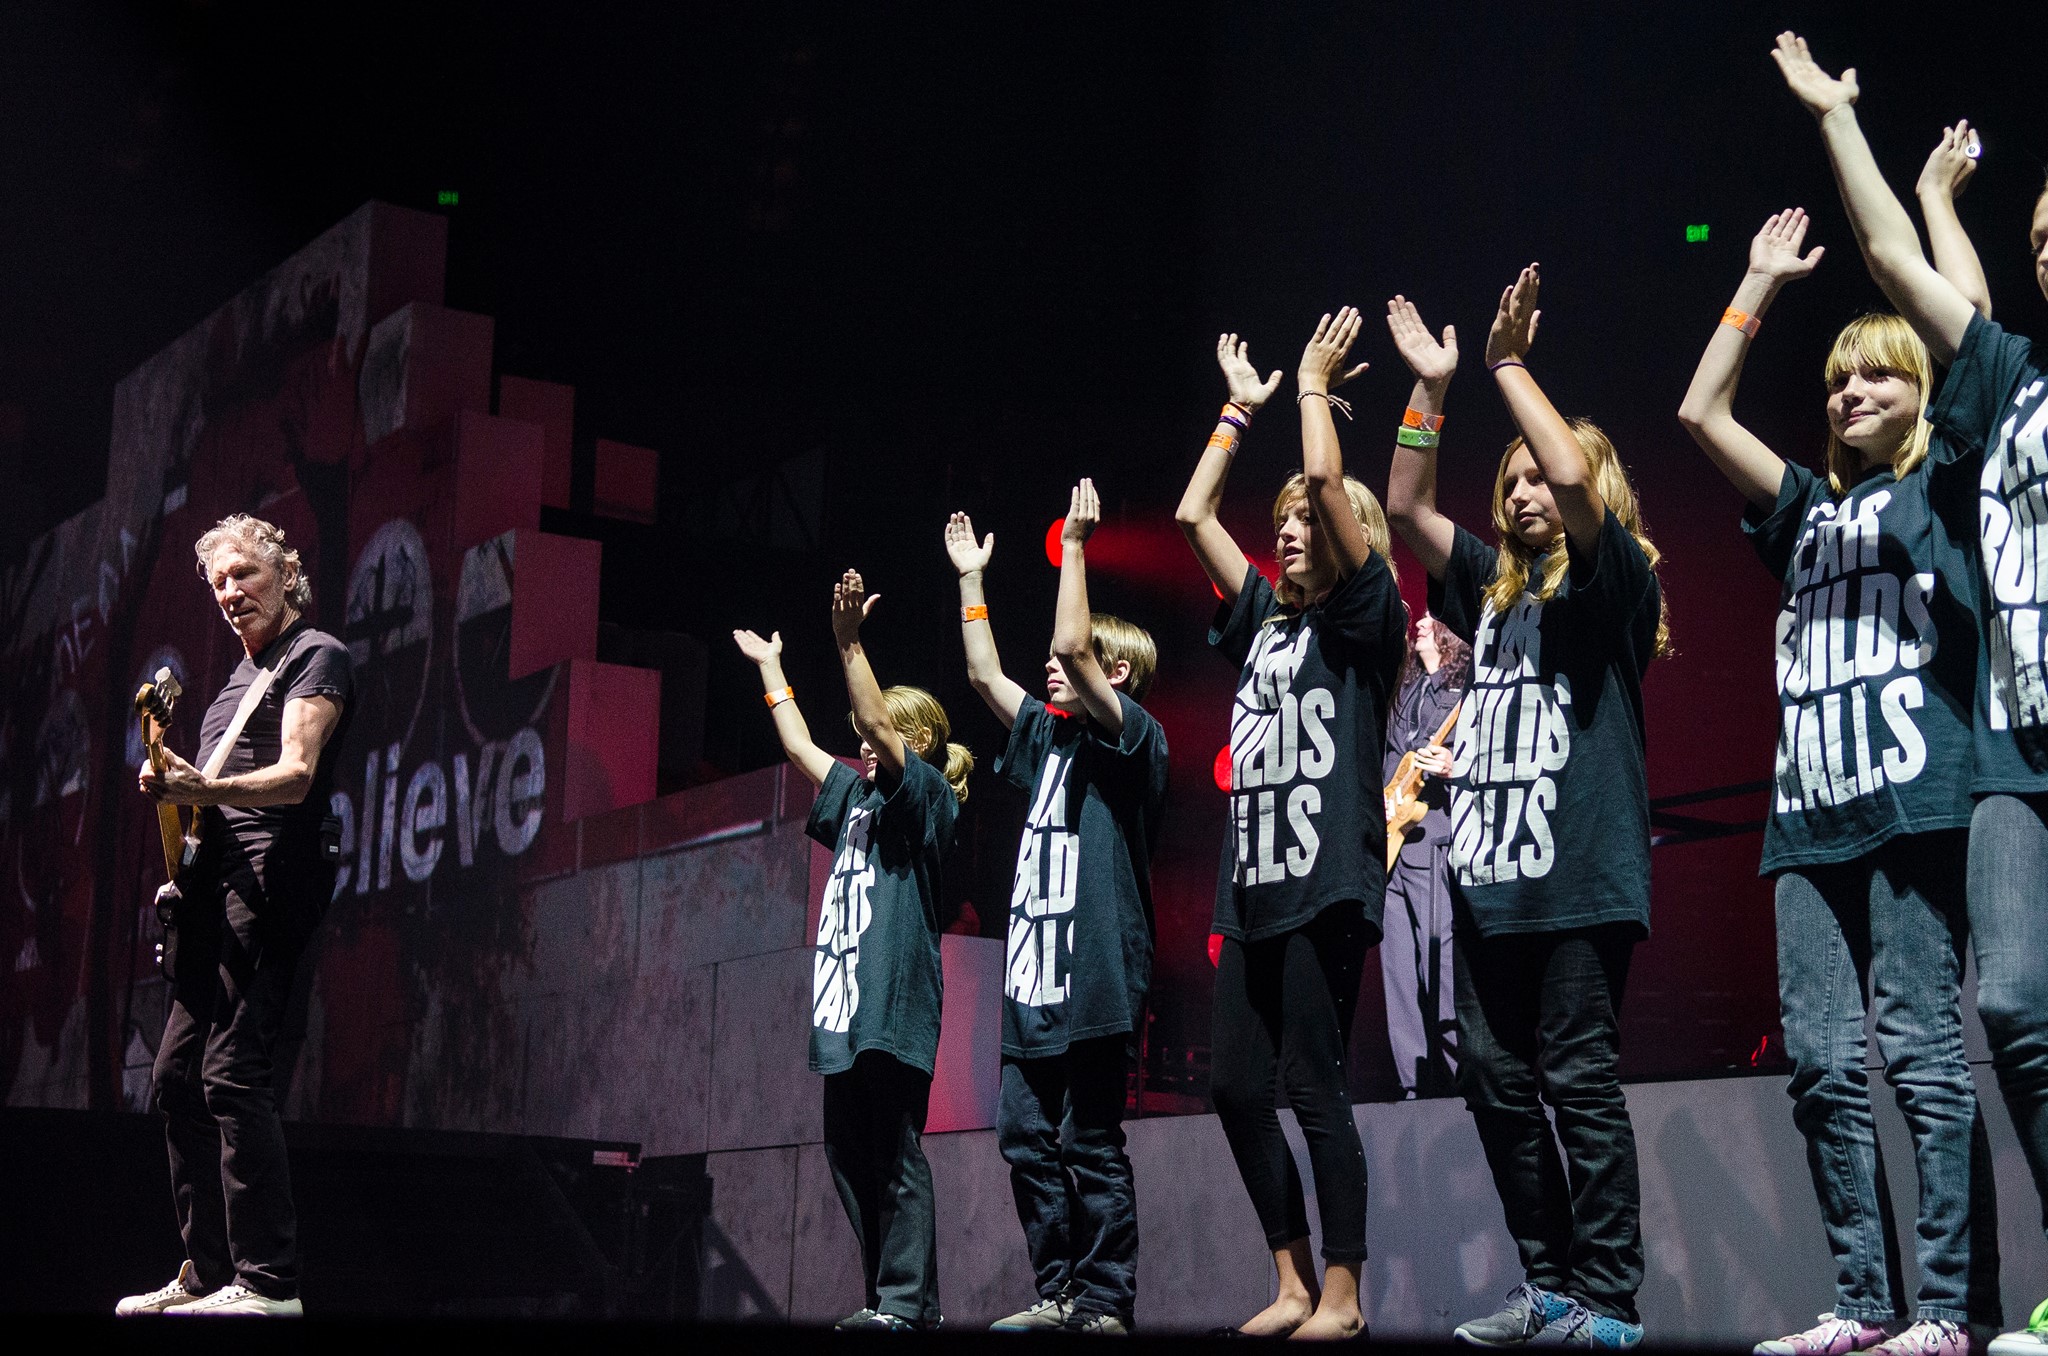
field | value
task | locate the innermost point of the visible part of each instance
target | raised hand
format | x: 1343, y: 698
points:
x: 1820, y: 92
x: 1514, y: 324
x: 1774, y: 253
x: 759, y: 650
x: 1322, y: 362
x: 1084, y: 512
x: 851, y: 603
x: 1952, y: 163
x: 1233, y: 355
x: 967, y: 557
x: 1432, y: 362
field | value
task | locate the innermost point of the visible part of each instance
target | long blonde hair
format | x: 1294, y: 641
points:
x: 1879, y: 339
x: 1364, y: 507
x: 922, y: 722
x: 1517, y: 558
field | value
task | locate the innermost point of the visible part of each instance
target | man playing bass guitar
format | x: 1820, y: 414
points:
x: 237, y: 918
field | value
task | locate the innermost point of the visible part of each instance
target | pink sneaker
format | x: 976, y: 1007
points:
x: 1830, y: 1337
x: 1928, y: 1337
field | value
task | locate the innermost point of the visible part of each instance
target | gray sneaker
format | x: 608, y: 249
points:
x: 1091, y: 1324
x: 1528, y: 1311
x: 1047, y: 1313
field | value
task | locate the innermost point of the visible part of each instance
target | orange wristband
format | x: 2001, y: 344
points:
x: 1414, y: 418
x: 974, y: 612
x: 779, y: 696
x: 1741, y: 320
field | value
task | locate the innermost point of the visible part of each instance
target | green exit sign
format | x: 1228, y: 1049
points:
x: 1696, y: 235
x: 448, y: 197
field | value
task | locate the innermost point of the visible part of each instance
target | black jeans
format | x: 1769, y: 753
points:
x: 874, y: 1128
x: 1061, y: 1127
x: 237, y: 950
x: 1282, y: 1013
x: 1538, y: 1023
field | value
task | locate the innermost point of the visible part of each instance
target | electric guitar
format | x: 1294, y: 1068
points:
x: 178, y: 825
x: 1405, y: 806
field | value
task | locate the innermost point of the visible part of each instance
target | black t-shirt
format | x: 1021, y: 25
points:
x: 1995, y: 402
x: 1308, y: 827
x: 1876, y: 659
x: 1550, y: 806
x: 309, y: 663
x: 875, y: 980
x: 1419, y: 712
x: 1080, y: 949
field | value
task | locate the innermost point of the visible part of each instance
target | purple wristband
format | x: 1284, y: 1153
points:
x: 1507, y: 362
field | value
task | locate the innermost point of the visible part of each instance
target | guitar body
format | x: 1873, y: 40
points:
x: 1405, y: 806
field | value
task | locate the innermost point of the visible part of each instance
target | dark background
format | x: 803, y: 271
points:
x: 957, y: 259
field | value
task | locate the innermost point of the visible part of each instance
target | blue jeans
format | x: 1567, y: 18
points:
x: 2009, y: 924
x: 1060, y: 1124
x: 1890, y: 923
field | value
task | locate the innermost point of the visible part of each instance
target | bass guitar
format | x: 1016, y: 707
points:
x: 1405, y: 806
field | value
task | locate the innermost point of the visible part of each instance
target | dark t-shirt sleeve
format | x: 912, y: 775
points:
x: 1365, y: 609
x: 1030, y: 734
x: 1457, y: 599
x: 1142, y: 739
x: 320, y: 669
x: 835, y: 798
x: 1775, y: 534
x: 1977, y: 393
x: 1609, y: 583
x: 922, y: 803
x: 1237, y: 623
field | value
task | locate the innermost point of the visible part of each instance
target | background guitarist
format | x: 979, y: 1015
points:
x: 240, y: 915
x: 1415, y: 949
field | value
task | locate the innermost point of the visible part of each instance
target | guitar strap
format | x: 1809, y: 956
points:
x: 257, y: 687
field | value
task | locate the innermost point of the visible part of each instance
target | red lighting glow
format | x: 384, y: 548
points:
x: 1221, y: 770
x: 1215, y: 949
x: 1053, y: 552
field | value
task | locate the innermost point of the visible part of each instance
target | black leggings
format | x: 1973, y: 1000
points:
x: 1283, y: 1010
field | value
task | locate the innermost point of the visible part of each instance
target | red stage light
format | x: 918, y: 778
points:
x: 1215, y: 948
x: 1221, y: 769
x: 1052, y: 542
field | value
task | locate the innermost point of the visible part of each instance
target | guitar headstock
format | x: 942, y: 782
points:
x: 156, y: 700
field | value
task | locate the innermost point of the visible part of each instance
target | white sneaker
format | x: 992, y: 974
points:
x: 240, y: 1299
x: 183, y: 1290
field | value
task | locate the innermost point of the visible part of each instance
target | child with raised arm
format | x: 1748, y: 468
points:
x: 1994, y: 403
x: 1870, y: 809
x: 1550, y: 821
x: 1298, y: 903
x: 1093, y: 762
x: 875, y: 986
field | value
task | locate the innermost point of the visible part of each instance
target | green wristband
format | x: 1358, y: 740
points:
x: 1417, y: 437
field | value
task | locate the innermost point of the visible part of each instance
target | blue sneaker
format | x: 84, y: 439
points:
x: 1584, y: 1328
x: 1529, y: 1310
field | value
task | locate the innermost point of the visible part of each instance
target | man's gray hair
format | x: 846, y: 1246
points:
x: 259, y: 539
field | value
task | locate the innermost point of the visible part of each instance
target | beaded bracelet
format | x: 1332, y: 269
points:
x: 1414, y: 418
x: 779, y: 696
x: 1741, y: 320
x: 1417, y: 437
x: 974, y: 612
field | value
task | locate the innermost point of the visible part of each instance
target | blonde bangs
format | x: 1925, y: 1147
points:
x: 1879, y: 340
